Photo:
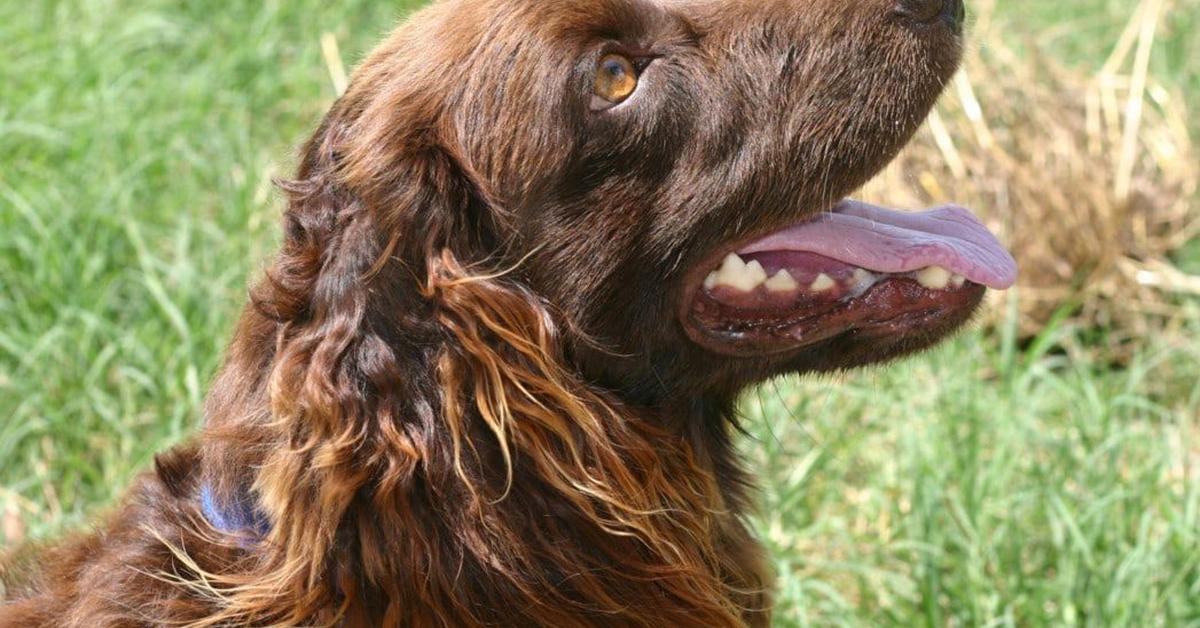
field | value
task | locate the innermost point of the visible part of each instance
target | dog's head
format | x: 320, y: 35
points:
x: 666, y: 177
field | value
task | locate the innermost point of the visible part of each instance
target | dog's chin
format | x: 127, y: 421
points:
x: 854, y: 285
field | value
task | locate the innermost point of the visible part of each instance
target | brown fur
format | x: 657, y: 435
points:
x: 461, y: 395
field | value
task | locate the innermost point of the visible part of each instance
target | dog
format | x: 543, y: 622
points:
x: 531, y: 257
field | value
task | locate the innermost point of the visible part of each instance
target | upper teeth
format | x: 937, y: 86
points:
x: 736, y: 273
x: 746, y: 276
x: 822, y: 283
x: 782, y: 282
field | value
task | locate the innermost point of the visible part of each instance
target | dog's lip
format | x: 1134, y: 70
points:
x: 887, y: 314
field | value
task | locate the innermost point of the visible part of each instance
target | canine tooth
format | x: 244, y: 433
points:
x: 782, y: 282
x: 958, y: 281
x: 733, y: 262
x: 822, y: 283
x: 934, y: 278
x: 710, y: 281
x: 730, y: 272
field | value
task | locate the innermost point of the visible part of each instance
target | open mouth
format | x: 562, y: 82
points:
x: 856, y: 269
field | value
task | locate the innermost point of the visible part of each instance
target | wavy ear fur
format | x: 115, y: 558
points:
x: 420, y: 444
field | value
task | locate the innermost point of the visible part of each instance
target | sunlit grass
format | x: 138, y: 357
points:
x: 986, y: 485
x: 988, y: 482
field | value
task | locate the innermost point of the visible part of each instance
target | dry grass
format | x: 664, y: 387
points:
x: 1091, y: 178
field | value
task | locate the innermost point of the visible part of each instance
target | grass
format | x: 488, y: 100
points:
x: 985, y: 484
x: 995, y: 481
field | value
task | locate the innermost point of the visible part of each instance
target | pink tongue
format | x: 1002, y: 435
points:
x: 887, y: 241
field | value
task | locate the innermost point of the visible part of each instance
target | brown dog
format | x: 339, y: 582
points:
x: 531, y: 258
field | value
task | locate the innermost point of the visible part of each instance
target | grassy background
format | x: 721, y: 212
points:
x: 991, y: 482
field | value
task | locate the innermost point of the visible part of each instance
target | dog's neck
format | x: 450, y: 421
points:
x: 465, y: 453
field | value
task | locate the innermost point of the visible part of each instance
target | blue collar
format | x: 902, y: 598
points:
x: 240, y: 516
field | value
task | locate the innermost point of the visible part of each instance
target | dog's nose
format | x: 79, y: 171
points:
x: 926, y: 11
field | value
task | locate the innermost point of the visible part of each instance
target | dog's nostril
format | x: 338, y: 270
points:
x: 923, y: 11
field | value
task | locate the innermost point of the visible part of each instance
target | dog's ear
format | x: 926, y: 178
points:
x: 312, y: 402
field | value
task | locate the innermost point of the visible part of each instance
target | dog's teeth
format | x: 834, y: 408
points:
x: 736, y: 273
x: 822, y: 283
x: 863, y: 278
x: 958, y: 281
x: 710, y: 282
x: 934, y: 278
x: 733, y: 263
x: 782, y: 282
x: 755, y: 273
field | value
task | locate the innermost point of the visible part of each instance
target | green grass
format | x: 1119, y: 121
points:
x: 983, y: 485
x: 986, y: 483
x: 1084, y: 32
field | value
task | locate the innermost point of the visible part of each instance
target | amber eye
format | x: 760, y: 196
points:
x: 616, y: 79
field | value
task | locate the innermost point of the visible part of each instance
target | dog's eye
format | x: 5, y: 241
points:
x: 616, y: 80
